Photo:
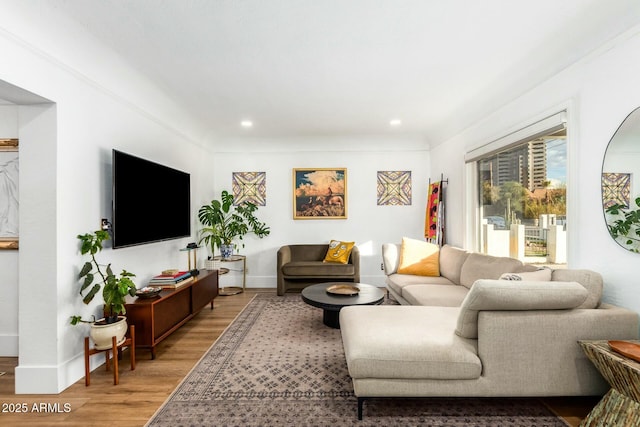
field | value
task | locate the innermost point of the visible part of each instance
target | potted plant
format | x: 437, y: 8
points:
x: 224, y: 223
x: 114, y: 291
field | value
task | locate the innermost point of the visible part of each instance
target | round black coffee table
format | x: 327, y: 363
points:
x: 317, y: 296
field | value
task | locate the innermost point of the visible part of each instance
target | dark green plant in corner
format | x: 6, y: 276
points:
x: 625, y: 227
x: 224, y: 222
x: 114, y: 288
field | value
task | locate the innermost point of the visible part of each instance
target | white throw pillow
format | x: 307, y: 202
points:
x: 542, y: 275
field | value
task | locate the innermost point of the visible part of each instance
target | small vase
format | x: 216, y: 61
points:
x: 226, y: 251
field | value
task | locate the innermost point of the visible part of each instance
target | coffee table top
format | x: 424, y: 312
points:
x: 317, y: 296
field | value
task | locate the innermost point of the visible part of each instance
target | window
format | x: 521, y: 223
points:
x: 521, y: 194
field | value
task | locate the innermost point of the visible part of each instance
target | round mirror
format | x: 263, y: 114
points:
x: 621, y: 183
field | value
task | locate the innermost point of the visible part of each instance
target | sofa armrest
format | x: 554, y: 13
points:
x: 390, y: 257
x: 354, y: 259
x: 283, y: 257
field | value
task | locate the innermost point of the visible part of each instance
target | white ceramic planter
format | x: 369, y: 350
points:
x: 102, y: 334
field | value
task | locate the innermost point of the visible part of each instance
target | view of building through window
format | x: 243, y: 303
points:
x: 522, y: 193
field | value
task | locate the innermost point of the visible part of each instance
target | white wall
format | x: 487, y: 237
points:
x: 65, y: 148
x: 96, y: 104
x: 599, y: 92
x: 368, y: 224
x: 8, y: 260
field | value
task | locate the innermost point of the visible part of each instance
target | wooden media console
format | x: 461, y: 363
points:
x: 156, y: 318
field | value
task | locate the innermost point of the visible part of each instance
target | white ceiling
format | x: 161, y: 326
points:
x: 342, y: 67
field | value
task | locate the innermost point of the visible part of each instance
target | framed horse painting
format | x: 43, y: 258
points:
x: 320, y: 193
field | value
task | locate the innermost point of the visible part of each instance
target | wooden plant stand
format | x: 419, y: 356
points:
x: 116, y: 351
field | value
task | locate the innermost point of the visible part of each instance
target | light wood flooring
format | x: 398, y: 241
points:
x: 141, y: 392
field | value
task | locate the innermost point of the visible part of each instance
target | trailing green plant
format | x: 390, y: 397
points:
x: 114, y: 288
x: 624, y: 225
x: 225, y: 222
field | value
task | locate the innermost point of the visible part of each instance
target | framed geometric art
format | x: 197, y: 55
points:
x: 249, y: 187
x: 320, y: 193
x: 394, y: 188
x: 616, y: 189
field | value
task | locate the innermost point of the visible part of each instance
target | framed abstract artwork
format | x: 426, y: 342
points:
x: 249, y: 187
x: 320, y: 193
x: 9, y: 193
x: 394, y: 188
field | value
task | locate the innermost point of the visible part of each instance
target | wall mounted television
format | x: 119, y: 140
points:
x: 151, y: 202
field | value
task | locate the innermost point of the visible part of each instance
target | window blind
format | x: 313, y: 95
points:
x: 542, y: 127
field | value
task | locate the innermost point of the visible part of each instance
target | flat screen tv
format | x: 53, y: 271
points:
x: 151, y: 202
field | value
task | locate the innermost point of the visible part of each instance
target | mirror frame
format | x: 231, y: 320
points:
x: 621, y: 217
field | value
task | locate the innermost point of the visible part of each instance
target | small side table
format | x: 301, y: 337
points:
x: 621, y: 405
x: 232, y: 290
x: 116, y: 350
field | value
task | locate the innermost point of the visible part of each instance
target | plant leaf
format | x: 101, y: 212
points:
x: 86, y: 268
x: 88, y: 280
x: 89, y: 297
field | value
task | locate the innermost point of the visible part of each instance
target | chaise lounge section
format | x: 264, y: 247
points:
x: 493, y: 338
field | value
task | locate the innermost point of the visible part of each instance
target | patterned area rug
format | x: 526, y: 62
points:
x: 277, y: 364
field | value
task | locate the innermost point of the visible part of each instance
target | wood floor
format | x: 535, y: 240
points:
x: 141, y: 392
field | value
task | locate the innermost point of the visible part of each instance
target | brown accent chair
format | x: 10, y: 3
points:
x: 302, y: 265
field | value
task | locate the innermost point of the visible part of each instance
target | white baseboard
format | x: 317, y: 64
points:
x: 37, y: 380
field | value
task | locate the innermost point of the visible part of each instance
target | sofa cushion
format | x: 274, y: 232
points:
x: 406, y: 342
x: 480, y: 266
x: 338, y: 251
x: 397, y: 282
x: 447, y: 295
x: 541, y: 275
x: 307, y: 252
x: 317, y: 269
x: 451, y: 261
x: 506, y: 295
x: 591, y: 280
x: 419, y: 258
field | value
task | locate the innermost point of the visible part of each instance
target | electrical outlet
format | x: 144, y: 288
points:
x: 105, y: 224
x: 382, y: 266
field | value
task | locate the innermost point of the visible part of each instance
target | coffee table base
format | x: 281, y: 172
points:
x: 331, y: 318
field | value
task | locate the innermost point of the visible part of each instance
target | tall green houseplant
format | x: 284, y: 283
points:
x: 114, y: 288
x: 224, y: 223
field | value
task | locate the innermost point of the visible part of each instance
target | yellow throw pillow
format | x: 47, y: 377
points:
x: 419, y: 258
x: 339, y: 251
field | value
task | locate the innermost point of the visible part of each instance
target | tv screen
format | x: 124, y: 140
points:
x: 151, y: 202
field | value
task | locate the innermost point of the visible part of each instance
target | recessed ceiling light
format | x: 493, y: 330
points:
x: 395, y: 122
x: 246, y: 123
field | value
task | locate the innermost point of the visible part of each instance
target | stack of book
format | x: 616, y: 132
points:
x: 171, y: 281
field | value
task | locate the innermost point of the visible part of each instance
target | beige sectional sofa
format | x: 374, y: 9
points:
x: 468, y: 333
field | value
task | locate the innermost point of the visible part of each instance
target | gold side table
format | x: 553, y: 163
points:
x: 232, y: 290
x: 621, y: 405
